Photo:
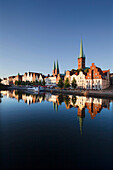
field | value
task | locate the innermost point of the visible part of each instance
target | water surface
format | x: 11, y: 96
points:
x: 54, y: 131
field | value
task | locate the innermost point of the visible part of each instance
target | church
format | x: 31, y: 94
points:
x: 91, y: 77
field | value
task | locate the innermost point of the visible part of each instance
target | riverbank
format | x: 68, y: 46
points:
x: 4, y: 87
x: 90, y: 93
x: 107, y: 93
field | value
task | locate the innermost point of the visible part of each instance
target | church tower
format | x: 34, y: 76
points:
x: 55, y: 68
x: 81, y: 58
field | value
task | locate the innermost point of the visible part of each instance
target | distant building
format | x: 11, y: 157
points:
x: 17, y: 78
x: 5, y: 81
x: 68, y: 75
x: 32, y: 77
x: 60, y: 76
x: 50, y: 80
x: 10, y: 80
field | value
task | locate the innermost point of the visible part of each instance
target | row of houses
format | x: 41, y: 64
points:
x: 28, y: 76
x: 93, y: 78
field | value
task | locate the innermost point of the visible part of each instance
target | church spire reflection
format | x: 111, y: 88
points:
x: 83, y: 104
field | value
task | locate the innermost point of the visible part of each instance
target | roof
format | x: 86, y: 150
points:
x: 76, y: 73
x: 101, y: 72
x: 105, y: 71
x: 71, y: 72
x: 11, y: 76
x: 57, y: 66
x: 54, y: 66
x: 81, y: 51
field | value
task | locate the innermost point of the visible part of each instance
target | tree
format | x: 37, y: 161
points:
x: 86, y: 70
x: 60, y: 99
x: 74, y: 99
x: 74, y: 84
x: 73, y: 70
x: 16, y: 83
x: 78, y: 70
x: 67, y: 100
x: 40, y: 83
x: 36, y: 82
x: 67, y: 83
x: 43, y: 83
x: 60, y: 83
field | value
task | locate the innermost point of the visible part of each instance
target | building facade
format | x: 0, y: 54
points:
x: 97, y: 79
x: 32, y: 77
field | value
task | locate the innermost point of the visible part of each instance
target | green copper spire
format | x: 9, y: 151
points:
x: 57, y: 66
x: 54, y: 67
x: 81, y: 50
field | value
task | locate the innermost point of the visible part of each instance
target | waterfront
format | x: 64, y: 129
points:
x: 44, y: 131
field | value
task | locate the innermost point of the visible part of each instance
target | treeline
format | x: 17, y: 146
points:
x: 66, y: 83
x: 41, y: 83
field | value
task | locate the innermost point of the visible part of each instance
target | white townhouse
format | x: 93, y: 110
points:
x: 50, y: 80
x: 5, y: 81
x: 31, y: 76
x: 80, y: 79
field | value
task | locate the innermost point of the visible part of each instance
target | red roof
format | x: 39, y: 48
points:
x: 105, y: 71
x: 76, y: 73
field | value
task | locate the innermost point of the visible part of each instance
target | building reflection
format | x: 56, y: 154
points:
x: 81, y: 103
x: 0, y: 97
x: 27, y: 98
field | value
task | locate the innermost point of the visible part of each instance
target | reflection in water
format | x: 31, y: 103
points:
x: 0, y: 97
x: 94, y: 105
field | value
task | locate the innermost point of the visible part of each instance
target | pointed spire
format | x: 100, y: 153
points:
x: 54, y: 67
x: 57, y: 66
x: 81, y: 50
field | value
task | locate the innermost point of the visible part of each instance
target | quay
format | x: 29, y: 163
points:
x: 107, y: 93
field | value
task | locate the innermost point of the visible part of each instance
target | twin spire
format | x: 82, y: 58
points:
x: 55, y: 68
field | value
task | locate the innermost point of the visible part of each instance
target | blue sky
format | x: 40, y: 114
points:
x: 34, y: 33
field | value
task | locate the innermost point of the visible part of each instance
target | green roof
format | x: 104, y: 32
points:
x: 81, y: 51
x: 54, y: 67
x: 57, y: 66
